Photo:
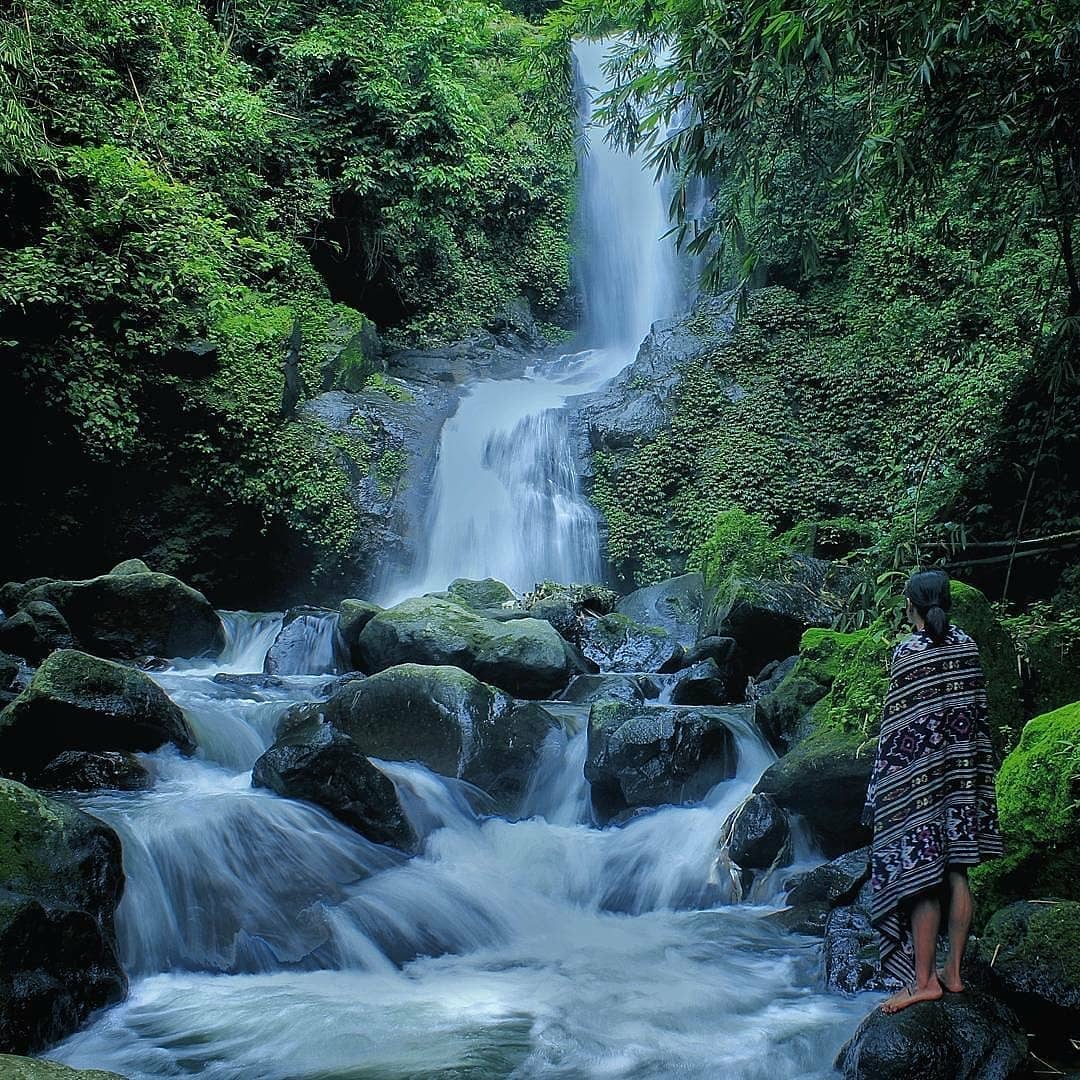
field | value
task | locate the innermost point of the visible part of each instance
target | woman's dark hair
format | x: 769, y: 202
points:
x: 931, y: 597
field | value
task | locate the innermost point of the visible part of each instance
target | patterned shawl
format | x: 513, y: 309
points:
x: 931, y: 798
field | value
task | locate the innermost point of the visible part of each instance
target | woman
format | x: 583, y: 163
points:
x: 931, y: 799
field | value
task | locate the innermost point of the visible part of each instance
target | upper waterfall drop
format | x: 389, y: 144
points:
x: 506, y: 500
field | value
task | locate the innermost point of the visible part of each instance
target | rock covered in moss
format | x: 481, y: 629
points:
x: 353, y: 616
x: 1035, y: 950
x: 617, y: 643
x: 24, y: 1068
x: 80, y: 702
x: 1038, y: 786
x: 318, y: 763
x: 481, y: 595
x: 655, y: 755
x: 968, y: 1036
x: 971, y: 611
x: 135, y: 614
x: 449, y: 721
x: 526, y: 657
x: 674, y: 605
x: 34, y: 631
x: 131, y: 566
x: 62, y: 878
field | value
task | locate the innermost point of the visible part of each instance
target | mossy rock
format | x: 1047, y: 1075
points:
x: 24, y: 1068
x: 480, y: 595
x: 526, y: 657
x: 80, y: 702
x: 971, y: 611
x: 1038, y: 788
x: 1036, y: 954
x: 35, y: 630
x: 1053, y: 662
x: 131, y: 566
x: 135, y: 614
x: 824, y: 778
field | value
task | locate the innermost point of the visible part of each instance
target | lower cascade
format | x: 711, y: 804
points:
x: 266, y: 940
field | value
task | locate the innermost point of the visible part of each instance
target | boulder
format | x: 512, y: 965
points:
x: 353, y: 616
x: 24, y: 1068
x: 642, y: 755
x: 87, y: 770
x: 585, y: 689
x: 131, y: 566
x: 771, y: 675
x: 706, y: 683
x: 1035, y: 950
x: 135, y: 614
x: 62, y: 879
x: 825, y: 780
x: 674, y: 605
x: 617, y: 643
x: 320, y: 764
x: 479, y: 595
x: 768, y: 617
x: 34, y: 631
x: 968, y: 1036
x: 308, y: 643
x: 79, y: 702
x: 9, y: 671
x: 449, y: 721
x: 836, y: 882
x: 526, y: 657
x: 1036, y: 794
x: 780, y: 714
x: 721, y: 649
x: 850, y: 952
x: 756, y: 833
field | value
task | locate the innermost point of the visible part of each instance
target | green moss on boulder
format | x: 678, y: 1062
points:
x: 79, y: 702
x: 1038, y: 788
x: 24, y: 1068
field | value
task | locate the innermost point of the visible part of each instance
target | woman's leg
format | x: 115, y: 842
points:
x: 925, y: 923
x: 959, y: 927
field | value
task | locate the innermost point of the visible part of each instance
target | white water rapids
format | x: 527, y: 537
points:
x: 266, y: 941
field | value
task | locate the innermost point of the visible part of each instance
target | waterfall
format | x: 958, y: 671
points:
x: 506, y: 501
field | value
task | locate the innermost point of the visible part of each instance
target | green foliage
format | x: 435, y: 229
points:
x: 741, y: 546
x: 855, y: 669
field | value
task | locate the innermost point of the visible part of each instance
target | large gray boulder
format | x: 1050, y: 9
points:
x: 62, y: 879
x: 675, y: 605
x: 616, y: 643
x: 132, y: 614
x: 526, y: 657
x: 308, y: 643
x: 585, y: 689
x: 93, y: 770
x: 641, y: 755
x: 706, y: 683
x: 320, y: 764
x: 80, y: 702
x: 449, y: 721
x: 968, y: 1036
x: 34, y: 631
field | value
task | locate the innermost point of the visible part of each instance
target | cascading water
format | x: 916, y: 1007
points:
x: 506, y: 501
x: 266, y: 941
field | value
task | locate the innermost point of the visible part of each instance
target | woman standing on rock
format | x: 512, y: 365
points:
x: 931, y: 799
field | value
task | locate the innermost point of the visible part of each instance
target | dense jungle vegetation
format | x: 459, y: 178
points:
x: 182, y: 185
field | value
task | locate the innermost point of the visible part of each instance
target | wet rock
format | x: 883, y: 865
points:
x: 298, y: 716
x: 757, y: 833
x: 721, y: 649
x: 35, y: 631
x: 772, y: 675
x: 135, y: 614
x: 86, y: 770
x: 9, y: 671
x: 809, y: 919
x: 824, y: 778
x: 62, y: 880
x: 526, y: 657
x: 24, y: 1068
x: 655, y: 755
x: 353, y: 616
x: 131, y: 566
x: 835, y: 882
x: 585, y: 689
x: 479, y: 595
x: 1035, y: 949
x: 674, y: 605
x: 616, y: 643
x: 447, y: 720
x: 706, y: 683
x: 968, y: 1036
x: 850, y: 950
x: 308, y: 643
x: 319, y: 763
x: 249, y: 682
x: 780, y: 714
x: 80, y: 702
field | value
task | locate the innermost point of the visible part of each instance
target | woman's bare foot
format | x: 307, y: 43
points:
x: 912, y: 995
x: 950, y: 983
